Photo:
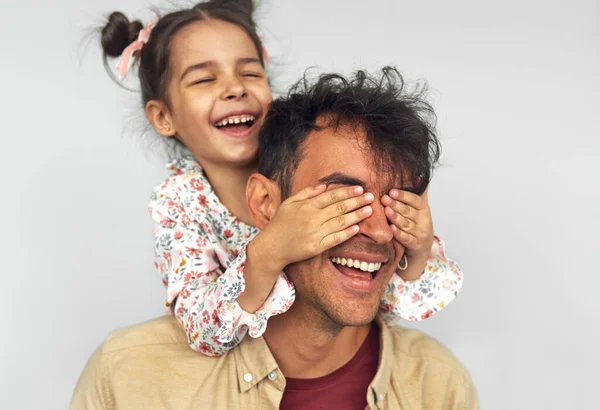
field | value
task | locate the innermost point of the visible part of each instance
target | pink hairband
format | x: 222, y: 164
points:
x: 126, y: 60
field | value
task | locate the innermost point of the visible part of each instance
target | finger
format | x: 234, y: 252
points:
x: 407, y: 240
x: 336, y: 238
x: 401, y: 208
x: 319, y: 189
x: 409, y: 198
x: 400, y: 221
x: 343, y: 221
x: 307, y: 193
x: 347, y: 205
x: 413, y: 240
x: 338, y: 194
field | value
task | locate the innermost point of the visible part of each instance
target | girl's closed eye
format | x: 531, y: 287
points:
x: 202, y: 81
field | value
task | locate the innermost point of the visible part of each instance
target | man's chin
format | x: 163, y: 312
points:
x: 352, y: 317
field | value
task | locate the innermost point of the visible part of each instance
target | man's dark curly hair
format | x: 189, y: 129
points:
x: 398, y: 125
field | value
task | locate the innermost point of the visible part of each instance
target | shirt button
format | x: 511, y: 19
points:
x: 272, y: 376
x: 248, y: 377
x: 381, y: 396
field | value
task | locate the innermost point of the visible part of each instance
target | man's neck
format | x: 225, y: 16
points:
x: 307, y: 345
x: 230, y: 186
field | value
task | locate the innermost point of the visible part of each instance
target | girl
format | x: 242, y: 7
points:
x: 204, y: 87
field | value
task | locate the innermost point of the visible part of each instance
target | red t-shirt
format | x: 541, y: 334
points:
x: 344, y: 389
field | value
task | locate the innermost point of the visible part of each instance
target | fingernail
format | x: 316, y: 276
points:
x: 367, y: 210
x: 358, y: 190
x: 394, y: 193
x: 369, y: 196
x: 320, y: 186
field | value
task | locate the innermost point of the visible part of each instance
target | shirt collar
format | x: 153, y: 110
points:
x: 378, y: 389
x: 254, y: 362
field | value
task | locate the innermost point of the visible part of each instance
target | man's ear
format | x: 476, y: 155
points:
x: 263, y: 198
x: 160, y: 117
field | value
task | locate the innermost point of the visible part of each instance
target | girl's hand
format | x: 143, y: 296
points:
x: 312, y: 221
x: 410, y: 218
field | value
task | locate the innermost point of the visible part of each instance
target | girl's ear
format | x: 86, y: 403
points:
x: 160, y: 117
x: 263, y: 198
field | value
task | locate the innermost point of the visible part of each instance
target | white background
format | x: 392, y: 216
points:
x: 516, y: 87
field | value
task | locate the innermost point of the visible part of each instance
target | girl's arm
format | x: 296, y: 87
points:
x: 200, y: 293
x: 434, y: 290
x: 205, y: 296
x: 431, y: 280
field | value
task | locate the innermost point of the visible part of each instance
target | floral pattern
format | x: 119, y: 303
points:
x: 420, y: 299
x: 200, y: 253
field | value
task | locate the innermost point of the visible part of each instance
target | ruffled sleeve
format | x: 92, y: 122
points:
x: 434, y: 290
x: 195, y: 237
x: 232, y: 316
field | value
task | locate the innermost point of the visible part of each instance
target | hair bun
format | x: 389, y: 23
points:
x: 244, y: 6
x: 118, y: 33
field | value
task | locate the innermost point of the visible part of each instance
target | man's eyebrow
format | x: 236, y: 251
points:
x: 337, y: 178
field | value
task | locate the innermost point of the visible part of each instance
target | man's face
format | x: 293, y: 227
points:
x: 348, y: 296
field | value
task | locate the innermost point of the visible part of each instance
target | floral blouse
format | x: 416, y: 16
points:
x: 200, y: 254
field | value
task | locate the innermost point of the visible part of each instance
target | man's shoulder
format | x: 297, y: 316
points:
x: 162, y: 331
x: 141, y: 365
x: 425, y: 373
x: 415, y: 345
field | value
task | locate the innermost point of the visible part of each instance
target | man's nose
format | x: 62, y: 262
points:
x: 234, y: 89
x: 377, y: 226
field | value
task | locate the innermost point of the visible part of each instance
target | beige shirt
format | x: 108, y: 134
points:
x: 150, y: 366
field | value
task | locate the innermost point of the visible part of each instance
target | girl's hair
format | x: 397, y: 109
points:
x: 153, y: 59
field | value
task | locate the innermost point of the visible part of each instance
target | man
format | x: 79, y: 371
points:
x: 330, y: 350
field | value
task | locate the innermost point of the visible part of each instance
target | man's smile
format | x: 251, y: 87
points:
x: 358, y: 271
x: 370, y: 267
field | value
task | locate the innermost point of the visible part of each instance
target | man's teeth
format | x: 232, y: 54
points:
x: 236, y: 119
x: 355, y: 263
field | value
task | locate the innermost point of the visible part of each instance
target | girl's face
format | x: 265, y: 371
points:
x: 218, y: 93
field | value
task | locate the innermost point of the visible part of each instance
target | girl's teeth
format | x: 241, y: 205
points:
x: 236, y: 120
